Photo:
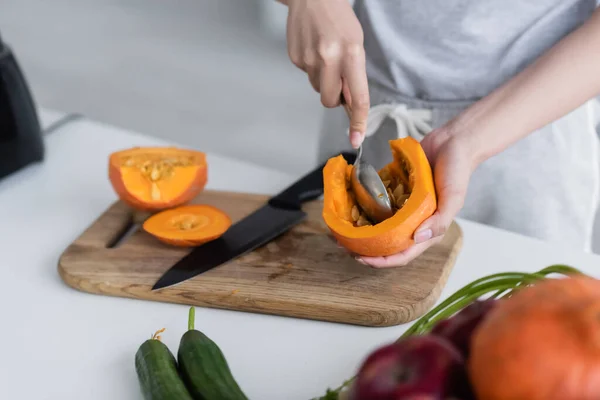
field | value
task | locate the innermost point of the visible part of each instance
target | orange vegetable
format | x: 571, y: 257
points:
x: 156, y: 178
x: 189, y: 225
x: 410, y: 185
x: 541, y: 343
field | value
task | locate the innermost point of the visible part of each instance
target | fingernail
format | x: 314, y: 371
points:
x: 355, y: 139
x: 358, y: 259
x: 423, y: 236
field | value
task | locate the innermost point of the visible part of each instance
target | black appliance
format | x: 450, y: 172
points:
x: 21, y: 142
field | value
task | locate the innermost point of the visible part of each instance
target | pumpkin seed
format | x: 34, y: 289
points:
x: 387, y: 183
x: 186, y: 225
x: 362, y: 221
x: 399, y: 191
x: 401, y: 200
x: 355, y: 214
x: 173, y: 161
x: 155, y: 192
x: 391, y: 196
x: 155, y: 174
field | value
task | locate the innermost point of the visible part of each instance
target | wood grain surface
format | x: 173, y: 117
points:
x: 301, y: 274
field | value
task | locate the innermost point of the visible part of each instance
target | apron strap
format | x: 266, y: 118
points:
x: 409, y: 122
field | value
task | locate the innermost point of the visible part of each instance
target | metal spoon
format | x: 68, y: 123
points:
x: 368, y: 187
x: 370, y: 191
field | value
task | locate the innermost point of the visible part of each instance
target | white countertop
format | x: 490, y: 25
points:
x: 48, y: 117
x: 59, y: 343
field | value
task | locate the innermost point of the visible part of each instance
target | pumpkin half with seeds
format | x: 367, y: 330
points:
x: 409, y: 181
x: 156, y: 178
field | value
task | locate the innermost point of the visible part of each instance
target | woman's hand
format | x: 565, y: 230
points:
x: 453, y: 162
x: 325, y: 40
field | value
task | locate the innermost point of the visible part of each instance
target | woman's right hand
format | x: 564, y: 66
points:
x: 325, y: 40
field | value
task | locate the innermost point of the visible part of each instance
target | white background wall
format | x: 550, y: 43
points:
x: 207, y: 73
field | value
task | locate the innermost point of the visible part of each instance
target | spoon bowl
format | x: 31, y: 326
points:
x: 370, y: 191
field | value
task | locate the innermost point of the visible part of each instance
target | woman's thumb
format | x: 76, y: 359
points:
x: 358, y: 124
x: 358, y: 112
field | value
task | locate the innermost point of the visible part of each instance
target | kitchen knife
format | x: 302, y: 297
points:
x: 274, y: 218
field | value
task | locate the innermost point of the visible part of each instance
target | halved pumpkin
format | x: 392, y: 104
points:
x: 189, y: 225
x: 409, y: 180
x: 156, y: 178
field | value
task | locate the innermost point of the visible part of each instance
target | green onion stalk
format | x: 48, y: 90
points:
x: 492, y: 286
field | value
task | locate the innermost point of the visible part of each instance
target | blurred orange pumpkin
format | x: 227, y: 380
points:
x: 543, y: 343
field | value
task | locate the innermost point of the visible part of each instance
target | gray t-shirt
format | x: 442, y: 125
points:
x: 460, y: 49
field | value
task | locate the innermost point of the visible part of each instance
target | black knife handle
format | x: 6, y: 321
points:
x: 307, y: 188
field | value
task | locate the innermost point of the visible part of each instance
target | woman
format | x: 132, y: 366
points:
x: 499, y: 93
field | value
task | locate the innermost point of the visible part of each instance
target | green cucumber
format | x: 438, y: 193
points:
x: 157, y: 372
x: 204, y: 368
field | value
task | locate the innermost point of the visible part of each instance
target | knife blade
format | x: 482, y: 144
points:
x: 277, y: 216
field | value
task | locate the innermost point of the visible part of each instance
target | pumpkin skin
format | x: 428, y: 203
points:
x: 188, y: 225
x: 182, y: 175
x: 394, y: 234
x: 541, y: 343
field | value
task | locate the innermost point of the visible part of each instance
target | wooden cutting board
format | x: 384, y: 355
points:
x: 301, y: 274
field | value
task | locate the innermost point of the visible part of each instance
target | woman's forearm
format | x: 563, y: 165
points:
x: 562, y: 79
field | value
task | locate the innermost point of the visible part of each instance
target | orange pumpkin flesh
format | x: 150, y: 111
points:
x: 409, y: 167
x: 541, y: 343
x: 190, y: 225
x: 156, y: 178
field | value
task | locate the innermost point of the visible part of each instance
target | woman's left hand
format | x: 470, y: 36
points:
x: 453, y: 163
